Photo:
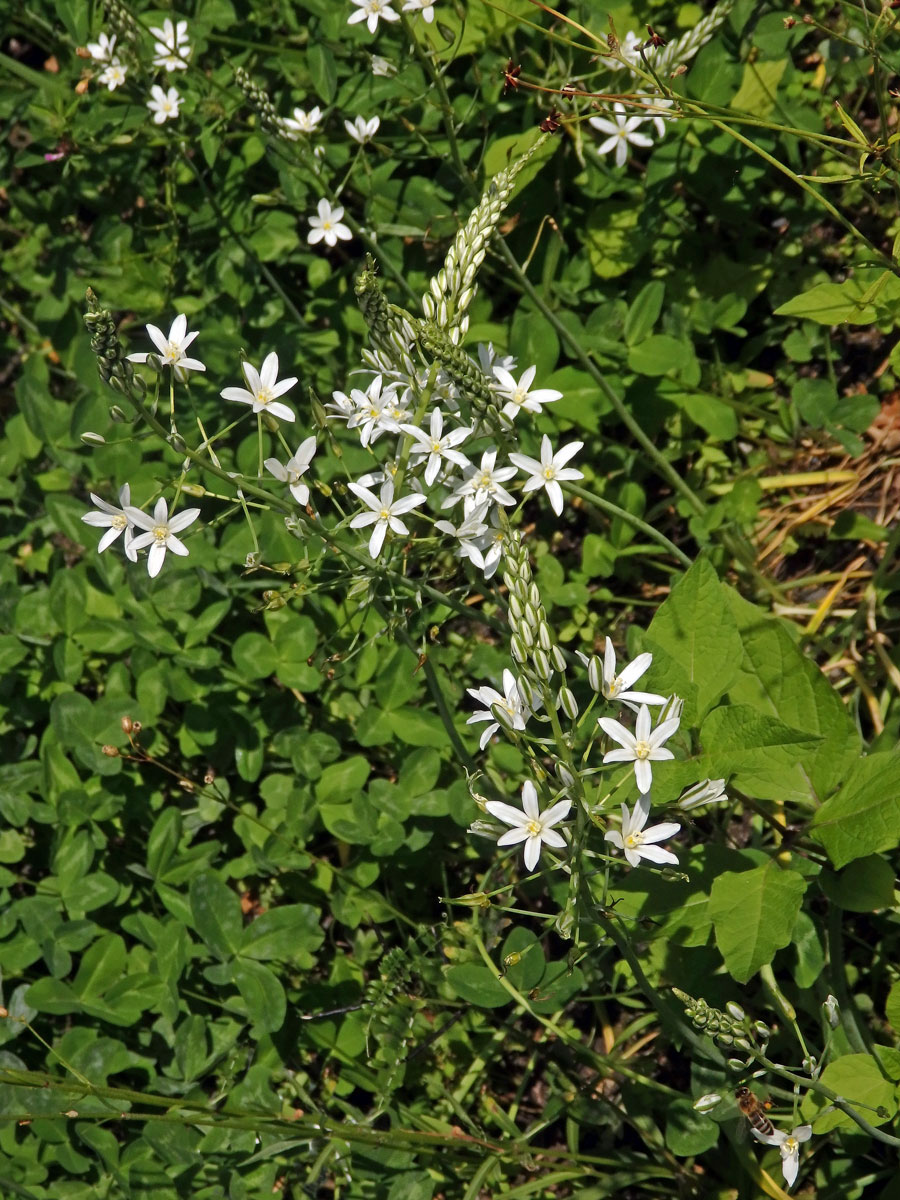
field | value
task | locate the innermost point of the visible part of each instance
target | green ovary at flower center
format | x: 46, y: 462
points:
x: 633, y: 840
x: 549, y: 472
x: 642, y: 749
x: 264, y: 395
x: 120, y: 521
x: 534, y: 828
x: 172, y: 352
x: 384, y: 515
x: 160, y: 532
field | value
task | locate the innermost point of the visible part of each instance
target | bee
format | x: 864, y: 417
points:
x: 752, y: 1108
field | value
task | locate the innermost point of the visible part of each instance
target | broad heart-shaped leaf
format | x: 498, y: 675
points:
x: 757, y: 752
x: 753, y: 914
x: 864, y: 817
x: 694, y: 627
x: 262, y: 993
x: 216, y: 913
x: 859, y: 1080
x: 776, y: 678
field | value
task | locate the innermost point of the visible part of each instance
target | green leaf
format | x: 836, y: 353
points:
x: 68, y: 600
x: 753, y: 914
x: 864, y: 817
x: 262, y: 994
x: 341, y: 780
x: 758, y: 751
x: 775, y: 677
x: 757, y: 93
x: 216, y: 913
x: 858, y: 1079
x: 103, y: 964
x: 694, y: 629
x: 190, y: 1046
x: 892, y: 1006
x: 477, y: 985
x: 856, y: 301
x: 659, y: 354
x: 613, y: 242
x: 288, y: 933
x: 322, y: 71
x: 689, y: 1132
x: 866, y: 885
x: 644, y: 312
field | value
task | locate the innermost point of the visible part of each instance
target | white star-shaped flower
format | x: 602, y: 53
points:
x: 550, y: 471
x: 484, y: 482
x: 301, y: 122
x: 637, y: 842
x: 425, y: 7
x: 293, y: 470
x: 171, y: 349
x: 264, y: 391
x: 171, y: 47
x: 468, y: 534
x: 384, y: 512
x: 163, y: 105
x: 375, y: 410
x: 789, y: 1145
x: 617, y: 688
x: 361, y: 130
x: 510, y: 701
x: 327, y: 225
x: 623, y: 133
x: 372, y: 11
x: 641, y: 747
x: 103, y: 49
x: 160, y: 535
x: 113, y: 75
x: 531, y: 826
x: 114, y: 520
x: 518, y: 396
x: 437, y: 445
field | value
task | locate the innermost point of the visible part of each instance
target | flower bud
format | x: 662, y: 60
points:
x: 558, y: 659
x: 832, y: 1011
x: 542, y: 664
x: 567, y: 702
x: 736, y: 1011
x: 518, y: 649
x: 705, y: 1103
x: 564, y: 775
x: 545, y: 636
x: 93, y: 439
x: 117, y: 414
x: 595, y: 674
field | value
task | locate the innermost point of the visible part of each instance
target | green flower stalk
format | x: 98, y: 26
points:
x: 685, y: 47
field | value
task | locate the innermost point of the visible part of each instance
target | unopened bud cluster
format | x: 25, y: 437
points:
x: 731, y: 1028
x: 532, y: 643
x: 121, y: 22
x: 258, y: 99
x: 469, y: 378
x: 390, y: 328
x: 453, y: 288
x: 114, y: 367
